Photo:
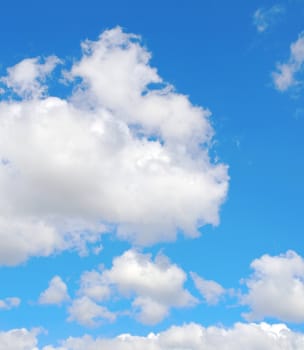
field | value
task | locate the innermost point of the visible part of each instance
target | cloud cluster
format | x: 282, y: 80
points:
x: 153, y: 286
x: 187, y: 337
x: 263, y: 18
x: 284, y: 78
x: 276, y: 288
x: 124, y: 152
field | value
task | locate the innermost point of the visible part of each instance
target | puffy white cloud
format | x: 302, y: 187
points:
x: 19, y: 339
x: 9, y: 303
x: 86, y: 312
x: 94, y: 286
x: 276, y: 288
x: 26, y: 78
x: 195, y: 337
x: 210, y: 290
x: 155, y: 286
x: 119, y: 151
x: 151, y: 311
x: 56, y: 293
x: 264, y: 18
x: 187, y: 337
x: 158, y: 285
x: 284, y: 77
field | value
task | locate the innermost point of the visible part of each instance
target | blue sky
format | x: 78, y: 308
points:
x: 151, y: 181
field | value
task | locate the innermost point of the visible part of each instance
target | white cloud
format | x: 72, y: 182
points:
x: 264, y: 18
x: 27, y: 77
x: 86, y: 312
x: 150, y: 311
x: 9, y: 303
x: 276, y: 288
x: 19, y: 339
x: 157, y: 285
x: 154, y: 286
x: 56, y: 293
x: 195, y: 337
x: 187, y: 337
x: 94, y: 286
x: 210, y: 290
x: 284, y: 77
x: 117, y: 152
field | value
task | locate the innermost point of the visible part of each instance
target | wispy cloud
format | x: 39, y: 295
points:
x: 284, y: 76
x: 210, y: 290
x: 264, y: 18
x: 9, y: 303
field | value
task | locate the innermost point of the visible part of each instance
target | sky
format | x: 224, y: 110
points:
x: 151, y: 166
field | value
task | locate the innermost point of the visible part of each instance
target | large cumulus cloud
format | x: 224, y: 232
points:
x: 124, y: 152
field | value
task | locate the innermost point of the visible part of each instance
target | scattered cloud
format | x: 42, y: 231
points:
x: 56, y: 293
x: 210, y: 290
x: 276, y: 288
x: 124, y: 150
x: 9, y: 303
x: 263, y: 18
x: 284, y: 77
x: 195, y: 337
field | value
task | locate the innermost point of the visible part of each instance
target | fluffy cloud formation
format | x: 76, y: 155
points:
x: 19, y: 339
x: 87, y: 313
x: 210, y: 290
x: 56, y: 293
x: 187, y: 337
x: 284, y: 77
x: 154, y: 286
x: 195, y: 337
x: 276, y: 288
x: 27, y: 77
x: 264, y: 18
x: 9, y: 303
x: 125, y: 150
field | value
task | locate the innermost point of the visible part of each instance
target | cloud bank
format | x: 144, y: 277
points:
x: 187, y: 337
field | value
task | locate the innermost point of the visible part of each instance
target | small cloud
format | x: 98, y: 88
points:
x: 56, y: 293
x: 276, y: 279
x: 264, y: 18
x: 26, y: 78
x: 86, y: 312
x: 284, y: 76
x: 96, y: 250
x: 9, y: 303
x: 210, y: 290
x: 154, y: 287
